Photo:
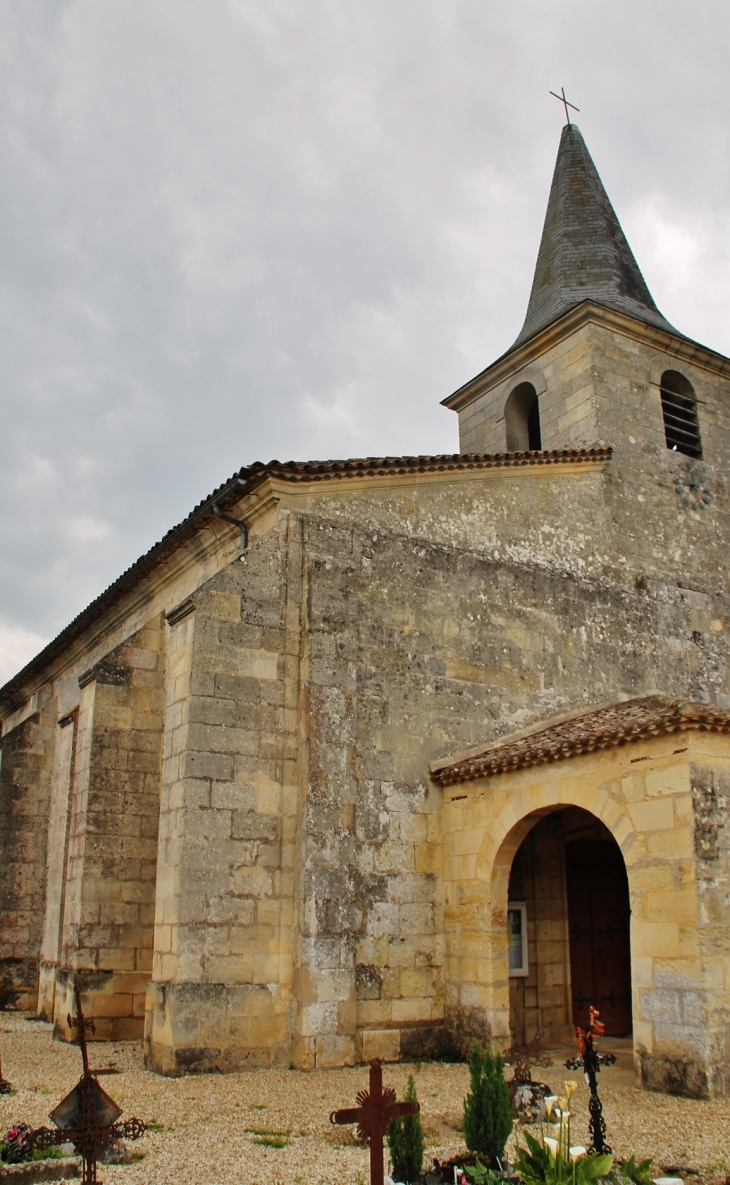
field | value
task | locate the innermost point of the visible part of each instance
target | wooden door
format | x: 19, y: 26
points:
x: 598, y: 916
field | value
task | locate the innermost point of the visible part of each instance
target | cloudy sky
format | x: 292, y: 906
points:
x: 242, y: 229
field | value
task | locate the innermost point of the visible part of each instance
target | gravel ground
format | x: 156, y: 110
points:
x: 212, y: 1125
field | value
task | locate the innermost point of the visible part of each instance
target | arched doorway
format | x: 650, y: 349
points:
x: 569, y: 915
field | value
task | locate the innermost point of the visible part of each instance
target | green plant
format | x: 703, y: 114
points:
x: 540, y: 1164
x: 405, y: 1141
x: 487, y: 1110
x: 630, y: 1171
x: 271, y: 1141
x: 154, y: 1126
x: 481, y: 1175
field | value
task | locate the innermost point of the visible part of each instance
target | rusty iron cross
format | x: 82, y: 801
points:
x: 87, y: 1116
x: 376, y: 1107
x: 562, y: 99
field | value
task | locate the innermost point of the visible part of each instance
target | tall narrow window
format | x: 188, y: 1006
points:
x: 679, y: 408
x: 522, y: 420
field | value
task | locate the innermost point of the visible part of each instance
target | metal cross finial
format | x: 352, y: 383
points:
x: 561, y: 97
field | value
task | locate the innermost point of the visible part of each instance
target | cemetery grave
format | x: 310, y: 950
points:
x: 273, y: 1126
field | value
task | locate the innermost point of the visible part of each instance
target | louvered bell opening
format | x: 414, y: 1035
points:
x: 679, y: 408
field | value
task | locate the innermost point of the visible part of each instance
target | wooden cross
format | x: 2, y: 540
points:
x: 561, y: 97
x: 373, y: 1114
x: 87, y: 1116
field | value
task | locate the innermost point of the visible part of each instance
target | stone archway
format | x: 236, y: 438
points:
x: 500, y: 846
x: 569, y: 915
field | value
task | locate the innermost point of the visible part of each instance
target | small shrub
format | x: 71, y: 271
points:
x: 487, y: 1110
x: 405, y: 1141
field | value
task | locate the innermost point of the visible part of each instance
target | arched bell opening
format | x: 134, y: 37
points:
x: 568, y: 920
x: 522, y: 420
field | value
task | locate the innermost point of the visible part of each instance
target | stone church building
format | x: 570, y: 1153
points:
x: 373, y: 757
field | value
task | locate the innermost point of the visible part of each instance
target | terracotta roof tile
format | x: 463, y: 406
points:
x: 601, y: 728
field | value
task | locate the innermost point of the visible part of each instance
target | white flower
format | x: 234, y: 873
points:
x: 552, y: 1145
x: 577, y: 1151
x: 550, y: 1101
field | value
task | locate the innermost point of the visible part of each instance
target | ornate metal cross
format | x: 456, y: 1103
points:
x: 87, y: 1117
x: 373, y: 1114
x: 590, y: 1061
x: 524, y: 1058
x: 561, y: 98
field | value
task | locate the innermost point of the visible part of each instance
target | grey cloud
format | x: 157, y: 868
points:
x: 239, y: 230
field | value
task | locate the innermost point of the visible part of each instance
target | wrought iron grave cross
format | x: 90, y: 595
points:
x: 373, y: 1114
x: 590, y: 1061
x: 562, y: 99
x: 87, y: 1117
x: 524, y: 1058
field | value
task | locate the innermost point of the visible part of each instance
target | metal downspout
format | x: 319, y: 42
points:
x: 236, y: 522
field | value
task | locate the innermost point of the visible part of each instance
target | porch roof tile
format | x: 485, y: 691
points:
x: 602, y: 727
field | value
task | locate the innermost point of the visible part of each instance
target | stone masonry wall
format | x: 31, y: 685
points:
x: 418, y: 650
x: 107, y: 926
x: 222, y: 992
x: 26, y: 758
x: 709, y: 776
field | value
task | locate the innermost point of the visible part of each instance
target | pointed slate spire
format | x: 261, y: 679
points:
x: 583, y: 253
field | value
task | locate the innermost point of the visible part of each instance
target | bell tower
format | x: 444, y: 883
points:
x: 595, y: 362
